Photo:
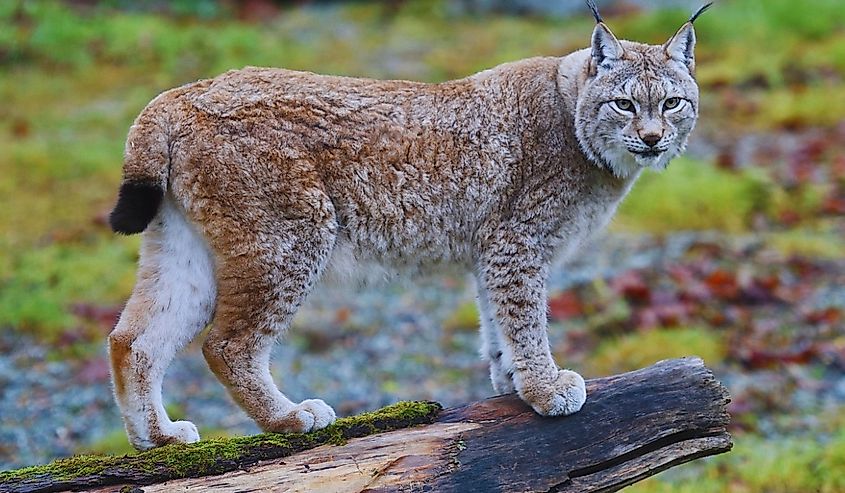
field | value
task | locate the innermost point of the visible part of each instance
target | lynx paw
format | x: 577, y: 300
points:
x: 563, y: 395
x: 183, y: 432
x: 175, y: 432
x: 308, y: 415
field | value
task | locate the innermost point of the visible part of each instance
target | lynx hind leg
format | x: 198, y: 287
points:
x: 501, y: 367
x: 258, y: 296
x: 172, y: 301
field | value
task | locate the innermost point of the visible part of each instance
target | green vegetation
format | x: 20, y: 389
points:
x: 638, y: 350
x: 463, y: 318
x: 808, y: 243
x: 785, y: 465
x: 113, y: 443
x: 692, y: 195
x: 780, y: 56
x: 47, y: 279
x: 226, y: 454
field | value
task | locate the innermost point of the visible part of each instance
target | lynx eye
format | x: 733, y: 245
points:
x: 671, y: 103
x: 624, y: 105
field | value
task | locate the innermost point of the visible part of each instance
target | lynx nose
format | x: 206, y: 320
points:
x: 651, y: 139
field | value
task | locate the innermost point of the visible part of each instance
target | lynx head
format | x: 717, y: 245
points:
x: 639, y: 102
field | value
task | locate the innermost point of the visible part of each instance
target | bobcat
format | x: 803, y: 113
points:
x: 253, y: 186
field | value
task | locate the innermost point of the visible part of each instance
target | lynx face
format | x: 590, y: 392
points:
x: 639, y: 104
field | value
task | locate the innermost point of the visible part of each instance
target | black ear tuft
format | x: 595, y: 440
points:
x: 700, y: 11
x: 606, y: 49
x: 137, y: 205
x: 591, y: 4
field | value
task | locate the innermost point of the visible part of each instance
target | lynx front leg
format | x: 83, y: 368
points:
x: 258, y: 294
x: 513, y: 274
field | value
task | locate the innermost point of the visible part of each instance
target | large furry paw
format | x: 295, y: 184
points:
x: 182, y: 432
x: 308, y: 415
x: 175, y: 432
x: 563, y: 394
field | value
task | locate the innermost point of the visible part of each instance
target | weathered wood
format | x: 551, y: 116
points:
x: 667, y: 408
x: 208, y: 457
x: 633, y: 426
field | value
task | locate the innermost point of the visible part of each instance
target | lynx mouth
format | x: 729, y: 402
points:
x: 650, y: 153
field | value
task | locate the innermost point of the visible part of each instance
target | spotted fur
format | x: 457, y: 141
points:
x: 274, y: 179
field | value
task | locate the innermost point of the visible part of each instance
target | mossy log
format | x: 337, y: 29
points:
x: 633, y: 426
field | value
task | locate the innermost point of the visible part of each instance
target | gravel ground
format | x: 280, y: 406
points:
x: 357, y: 349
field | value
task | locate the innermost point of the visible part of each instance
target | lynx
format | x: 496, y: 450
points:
x: 253, y: 186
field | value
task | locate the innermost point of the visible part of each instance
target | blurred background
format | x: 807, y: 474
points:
x: 734, y: 254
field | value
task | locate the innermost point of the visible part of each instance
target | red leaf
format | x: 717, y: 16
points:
x: 838, y: 168
x: 565, y: 305
x: 759, y: 358
x: 673, y: 314
x: 723, y: 284
x: 834, y: 204
x: 342, y: 314
x: 831, y: 315
x: 694, y: 292
x: 789, y: 217
x: 632, y: 287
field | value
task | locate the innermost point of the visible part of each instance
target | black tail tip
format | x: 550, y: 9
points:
x: 137, y: 205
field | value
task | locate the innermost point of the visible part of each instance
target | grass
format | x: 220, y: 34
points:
x: 760, y: 465
x: 633, y: 351
x: 41, y: 283
x: 812, y: 243
x: 692, y: 195
x: 806, y: 462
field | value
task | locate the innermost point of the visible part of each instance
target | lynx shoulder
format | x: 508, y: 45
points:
x: 251, y: 187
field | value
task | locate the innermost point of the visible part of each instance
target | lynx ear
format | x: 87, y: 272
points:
x: 606, y: 48
x: 681, y: 46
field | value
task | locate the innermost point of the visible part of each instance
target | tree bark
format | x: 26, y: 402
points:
x: 633, y: 426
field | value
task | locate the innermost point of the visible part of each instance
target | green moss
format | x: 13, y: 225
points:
x: 225, y: 454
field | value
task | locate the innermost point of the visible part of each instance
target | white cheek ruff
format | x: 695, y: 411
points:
x: 621, y: 162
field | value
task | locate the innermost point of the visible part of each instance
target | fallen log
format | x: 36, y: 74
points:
x: 633, y: 426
